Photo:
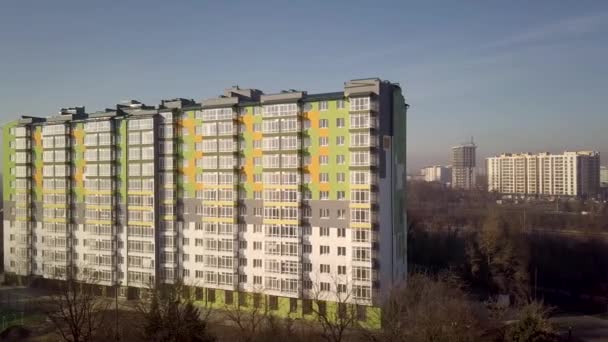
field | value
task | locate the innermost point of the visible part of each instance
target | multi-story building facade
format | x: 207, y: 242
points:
x: 463, y: 166
x: 437, y: 173
x: 292, y: 195
x: 604, y: 176
x: 567, y: 174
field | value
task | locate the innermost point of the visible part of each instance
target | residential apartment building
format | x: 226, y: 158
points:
x: 463, y: 166
x: 291, y: 195
x: 567, y: 174
x: 604, y: 176
x: 437, y: 173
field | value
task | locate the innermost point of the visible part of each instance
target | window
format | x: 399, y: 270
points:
x: 340, y: 177
x: 360, y: 139
x: 323, y: 106
x: 324, y: 250
x: 324, y: 177
x: 323, y: 160
x: 306, y: 248
x: 324, y: 268
x: 270, y: 143
x: 271, y: 161
x: 323, y: 141
x: 341, y: 270
x: 341, y: 214
x: 290, y: 178
x: 360, y: 215
x: 361, y: 273
x: 359, y: 103
x: 360, y: 177
x: 360, y: 121
x: 361, y: 254
x: 324, y: 195
x: 226, y: 145
x: 289, y: 125
x: 324, y: 287
x: 340, y: 159
x: 323, y: 123
x: 323, y: 231
x: 341, y: 251
x: 360, y: 196
x: 360, y: 158
x: 340, y: 195
x: 271, y: 126
x: 324, y: 213
x: 340, y: 104
x: 289, y: 160
x: 280, y: 110
x: 340, y: 140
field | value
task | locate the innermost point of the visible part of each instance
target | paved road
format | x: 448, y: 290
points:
x: 586, y: 328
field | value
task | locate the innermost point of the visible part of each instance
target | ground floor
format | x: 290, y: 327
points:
x: 220, y: 299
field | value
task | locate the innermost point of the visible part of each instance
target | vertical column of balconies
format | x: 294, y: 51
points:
x: 56, y: 222
x: 141, y: 202
x: 218, y: 247
x: 20, y: 242
x: 281, y: 161
x: 363, y: 142
x: 99, y: 246
x: 169, y: 225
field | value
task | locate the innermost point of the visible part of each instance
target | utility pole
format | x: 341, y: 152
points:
x: 525, y: 212
x: 116, y: 287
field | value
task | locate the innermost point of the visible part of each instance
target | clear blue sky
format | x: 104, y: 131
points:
x: 517, y: 75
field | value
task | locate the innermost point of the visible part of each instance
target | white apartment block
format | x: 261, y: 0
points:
x: 437, y: 173
x: 566, y: 174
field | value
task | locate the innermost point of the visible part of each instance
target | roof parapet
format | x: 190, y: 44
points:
x: 176, y: 103
x: 72, y: 111
x: 245, y: 94
x: 362, y: 87
x: 287, y: 96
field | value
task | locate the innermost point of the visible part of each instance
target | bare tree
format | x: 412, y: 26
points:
x: 75, y: 309
x: 337, y: 319
x: 249, y: 313
x: 428, y: 309
x: 170, y: 315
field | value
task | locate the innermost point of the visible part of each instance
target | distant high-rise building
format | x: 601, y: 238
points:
x: 463, y: 166
x: 278, y: 194
x: 604, y: 176
x: 567, y: 174
x: 437, y: 173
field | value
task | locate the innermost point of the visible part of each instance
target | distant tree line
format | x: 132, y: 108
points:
x: 497, y: 249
